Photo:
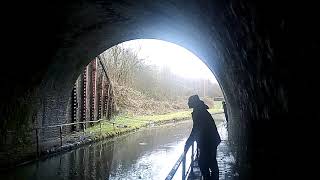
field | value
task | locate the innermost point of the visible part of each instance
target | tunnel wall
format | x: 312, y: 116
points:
x: 245, y: 43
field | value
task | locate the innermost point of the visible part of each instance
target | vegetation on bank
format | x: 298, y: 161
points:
x: 147, y: 94
x: 124, y: 123
x: 142, y: 88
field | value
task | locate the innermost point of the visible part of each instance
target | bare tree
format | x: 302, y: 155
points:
x: 125, y: 68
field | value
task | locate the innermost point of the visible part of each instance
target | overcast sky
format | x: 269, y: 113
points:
x: 181, y: 61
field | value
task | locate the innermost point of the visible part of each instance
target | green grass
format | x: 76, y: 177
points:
x: 218, y: 105
x: 129, y: 123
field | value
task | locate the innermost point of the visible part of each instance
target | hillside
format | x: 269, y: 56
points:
x: 133, y: 102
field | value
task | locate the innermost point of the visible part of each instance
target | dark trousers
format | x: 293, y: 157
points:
x: 208, y: 162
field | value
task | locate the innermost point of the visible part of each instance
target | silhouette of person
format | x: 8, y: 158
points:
x: 205, y: 133
x: 225, y: 110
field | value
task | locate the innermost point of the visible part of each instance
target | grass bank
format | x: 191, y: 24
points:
x: 124, y: 123
x: 119, y: 125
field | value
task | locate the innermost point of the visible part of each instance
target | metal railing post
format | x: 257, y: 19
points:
x: 184, y: 166
x: 192, y: 156
x: 60, y: 136
x: 60, y: 126
x: 182, y: 162
x: 37, y: 140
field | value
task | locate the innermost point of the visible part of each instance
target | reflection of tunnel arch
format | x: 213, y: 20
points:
x: 243, y: 37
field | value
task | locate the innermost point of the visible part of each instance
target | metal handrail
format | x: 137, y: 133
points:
x: 182, y: 160
x: 75, y: 123
x: 84, y: 122
x: 36, y: 129
x: 67, y: 124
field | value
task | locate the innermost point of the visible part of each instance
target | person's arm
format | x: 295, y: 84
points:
x: 190, y: 139
x: 193, y: 133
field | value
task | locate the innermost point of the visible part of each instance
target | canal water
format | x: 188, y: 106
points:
x: 149, y: 153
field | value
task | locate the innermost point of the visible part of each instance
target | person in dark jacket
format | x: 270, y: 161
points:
x: 205, y: 133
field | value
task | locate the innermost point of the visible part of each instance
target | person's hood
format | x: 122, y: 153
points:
x: 201, y: 104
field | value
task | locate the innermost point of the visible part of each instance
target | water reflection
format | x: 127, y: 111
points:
x: 152, y: 152
x: 90, y: 162
x: 146, y: 154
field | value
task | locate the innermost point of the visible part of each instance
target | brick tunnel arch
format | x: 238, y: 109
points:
x: 235, y: 39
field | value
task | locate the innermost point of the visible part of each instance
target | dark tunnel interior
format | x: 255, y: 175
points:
x: 248, y: 45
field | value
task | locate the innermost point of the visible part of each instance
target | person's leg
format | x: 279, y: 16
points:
x: 204, y: 166
x: 214, y: 165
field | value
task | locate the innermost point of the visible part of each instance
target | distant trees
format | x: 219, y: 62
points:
x: 126, y: 69
x: 122, y: 64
